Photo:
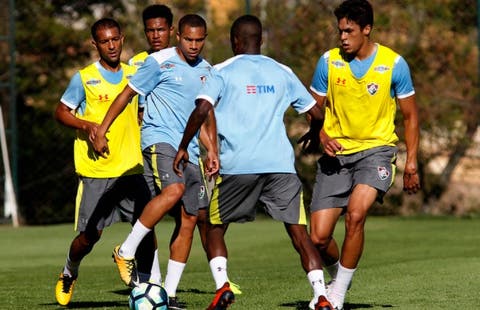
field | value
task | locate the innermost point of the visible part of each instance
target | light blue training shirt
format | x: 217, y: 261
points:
x: 251, y: 94
x: 170, y: 86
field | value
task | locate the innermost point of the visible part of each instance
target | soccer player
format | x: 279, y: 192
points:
x: 251, y: 93
x: 169, y: 79
x: 357, y: 84
x: 109, y: 188
x: 157, y: 26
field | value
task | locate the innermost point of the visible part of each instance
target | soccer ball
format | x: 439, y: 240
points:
x: 148, y: 296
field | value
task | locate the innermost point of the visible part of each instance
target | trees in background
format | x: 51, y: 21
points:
x: 437, y: 38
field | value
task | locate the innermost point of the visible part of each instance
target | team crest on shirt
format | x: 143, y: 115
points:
x: 383, y: 173
x: 203, y: 78
x: 372, y: 88
x: 167, y: 66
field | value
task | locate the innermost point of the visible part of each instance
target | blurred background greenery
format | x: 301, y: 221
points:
x: 438, y: 38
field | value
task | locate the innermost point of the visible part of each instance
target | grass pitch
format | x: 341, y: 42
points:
x: 408, y: 263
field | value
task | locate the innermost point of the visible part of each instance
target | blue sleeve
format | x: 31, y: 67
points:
x: 301, y: 99
x: 213, y: 87
x: 74, y: 96
x: 320, y: 76
x: 146, y: 78
x: 402, y: 85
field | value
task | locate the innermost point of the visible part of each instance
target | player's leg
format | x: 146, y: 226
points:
x: 322, y: 227
x: 217, y: 255
x: 135, y: 194
x: 373, y: 174
x: 180, y: 246
x: 311, y: 263
x: 92, y: 208
x: 282, y: 196
x: 172, y: 188
x: 233, y: 199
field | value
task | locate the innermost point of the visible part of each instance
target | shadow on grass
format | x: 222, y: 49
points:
x: 91, y: 304
x: 302, y: 305
x: 125, y: 291
x: 195, y: 291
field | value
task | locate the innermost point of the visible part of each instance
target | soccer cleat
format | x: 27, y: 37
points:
x: 64, y: 289
x: 323, y: 304
x: 126, y: 267
x: 235, y: 288
x: 174, y: 304
x: 224, y: 297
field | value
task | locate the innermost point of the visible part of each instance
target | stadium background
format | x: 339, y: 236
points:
x: 49, y: 41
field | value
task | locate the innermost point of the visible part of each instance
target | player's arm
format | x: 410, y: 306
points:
x: 208, y: 137
x: 66, y: 116
x: 409, y: 109
x: 196, y: 119
x: 100, y: 143
x: 311, y: 140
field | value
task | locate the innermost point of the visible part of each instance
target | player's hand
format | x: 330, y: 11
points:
x: 310, y: 142
x: 411, y: 181
x: 330, y: 146
x: 212, y: 165
x: 100, y: 145
x: 180, y: 159
x: 91, y: 130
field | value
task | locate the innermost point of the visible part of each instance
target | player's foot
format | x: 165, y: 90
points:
x: 126, y: 267
x: 175, y: 304
x: 64, y: 289
x: 224, y: 297
x: 330, y: 284
x: 235, y: 288
x: 323, y: 304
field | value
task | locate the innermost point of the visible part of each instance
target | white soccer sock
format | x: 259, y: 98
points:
x: 315, y: 277
x: 342, y: 281
x: 172, y: 279
x: 218, y: 266
x: 130, y: 245
x: 71, y: 268
x: 332, y: 270
x: 155, y: 273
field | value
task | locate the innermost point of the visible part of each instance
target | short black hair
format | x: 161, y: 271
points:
x: 157, y: 11
x: 358, y: 11
x: 104, y: 23
x: 248, y: 28
x: 192, y: 20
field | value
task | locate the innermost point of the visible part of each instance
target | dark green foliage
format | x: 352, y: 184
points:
x: 437, y: 39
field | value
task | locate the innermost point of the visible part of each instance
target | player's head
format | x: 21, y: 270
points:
x: 355, y: 22
x: 246, y: 35
x: 192, y: 31
x: 157, y: 25
x: 358, y: 11
x: 108, y: 40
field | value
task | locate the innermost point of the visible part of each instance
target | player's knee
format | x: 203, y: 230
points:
x: 321, y: 241
x: 175, y: 190
x: 354, y: 220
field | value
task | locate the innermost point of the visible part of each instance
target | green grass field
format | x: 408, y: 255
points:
x: 408, y: 263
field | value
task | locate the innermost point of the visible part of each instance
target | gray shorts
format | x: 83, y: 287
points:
x: 337, y: 176
x: 158, y: 172
x: 235, y: 198
x: 102, y: 202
